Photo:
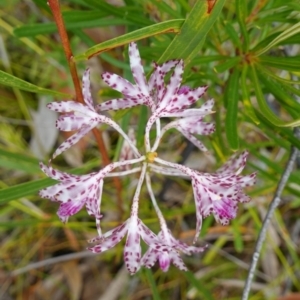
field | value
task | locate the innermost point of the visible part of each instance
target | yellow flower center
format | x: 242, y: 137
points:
x: 151, y: 156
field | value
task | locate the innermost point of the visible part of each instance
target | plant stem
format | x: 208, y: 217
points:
x: 55, y: 8
x: 275, y: 202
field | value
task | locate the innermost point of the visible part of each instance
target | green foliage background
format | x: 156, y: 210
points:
x: 247, y: 52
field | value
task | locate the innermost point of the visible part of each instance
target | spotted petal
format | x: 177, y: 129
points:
x: 137, y: 69
x: 204, y: 110
x: 72, y: 140
x: 120, y: 103
x: 193, y: 140
x: 110, y: 238
x: 171, y: 89
x: 86, y: 89
x: 178, y: 103
x: 235, y: 164
x: 132, y: 249
x: 157, y: 82
x: 73, y: 192
x: 164, y: 249
x: 220, y: 193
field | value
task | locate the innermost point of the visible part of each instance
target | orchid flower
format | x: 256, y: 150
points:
x: 137, y: 94
x: 215, y: 194
x: 74, y: 191
x: 219, y: 193
x: 135, y: 229
x: 164, y: 247
x: 81, y: 117
x: 190, y: 124
x: 169, y: 100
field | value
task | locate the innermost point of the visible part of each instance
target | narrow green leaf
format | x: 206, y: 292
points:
x: 231, y: 126
x: 42, y: 4
x: 24, y: 189
x: 266, y: 41
x: 282, y: 63
x: 133, y: 14
x: 263, y: 105
x: 246, y: 97
x: 279, y: 93
x: 197, y: 284
x: 152, y: 284
x: 291, y: 89
x: 32, y: 187
x: 15, y: 82
x: 228, y: 64
x: 22, y: 223
x: 294, y: 5
x: 166, y: 8
x: 238, y: 239
x: 20, y: 162
x: 283, y: 36
x: 35, y: 29
x: 207, y: 58
x: 274, y: 76
x: 188, y: 42
x: 285, y: 133
x: 233, y: 35
x: 164, y: 27
x: 241, y: 12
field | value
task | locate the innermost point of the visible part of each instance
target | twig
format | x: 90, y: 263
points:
x: 295, y: 238
x: 275, y: 202
x: 55, y: 8
x: 51, y: 261
x: 237, y: 261
x: 116, y: 287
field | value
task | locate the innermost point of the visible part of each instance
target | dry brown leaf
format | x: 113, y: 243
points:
x: 294, y: 296
x: 73, y: 276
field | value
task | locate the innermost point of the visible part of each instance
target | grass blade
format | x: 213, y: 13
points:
x: 263, y: 105
x: 283, y: 36
x: 15, y: 82
x: 188, y: 42
x: 164, y: 27
x: 231, y: 126
x: 152, y: 284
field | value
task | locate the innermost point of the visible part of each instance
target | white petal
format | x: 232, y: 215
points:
x: 150, y: 257
x: 147, y: 235
x: 192, y: 139
x: 121, y: 103
x: 111, y: 238
x: 235, y: 164
x: 186, y: 99
x: 86, y: 91
x: 71, y: 122
x: 172, y: 88
x: 70, y: 208
x: 137, y: 68
x: 94, y: 198
x: 194, y: 125
x: 72, y: 140
x: 177, y: 261
x: 68, y: 106
x: 132, y: 249
x: 122, y: 85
